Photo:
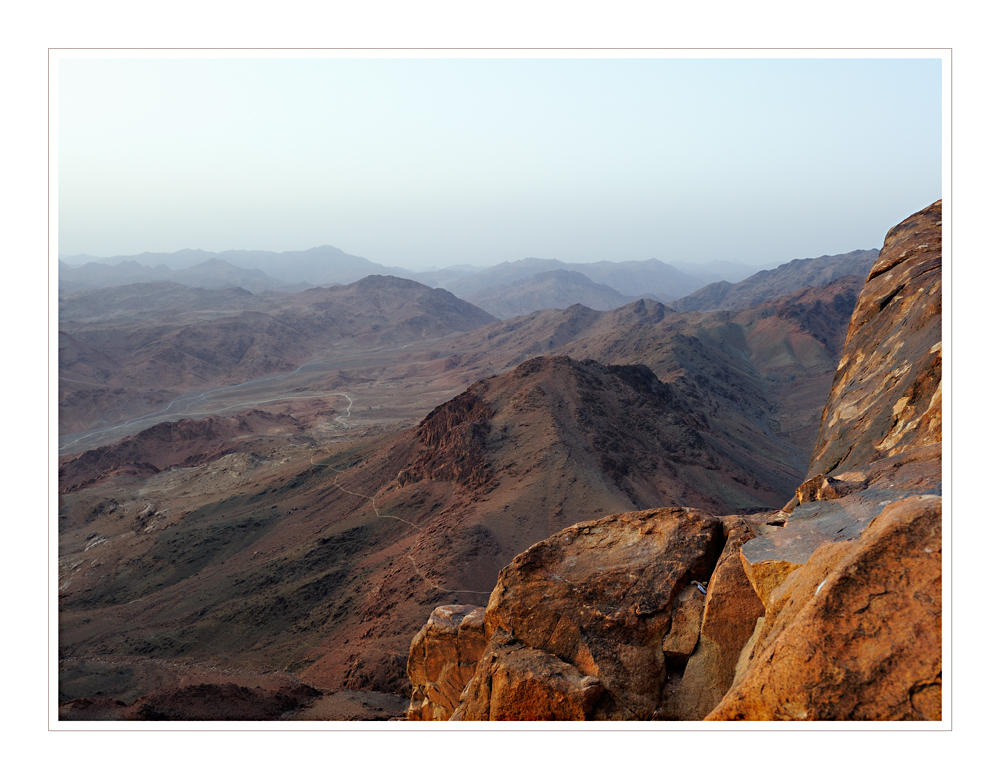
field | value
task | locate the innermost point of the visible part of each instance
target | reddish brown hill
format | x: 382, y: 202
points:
x: 761, y: 374
x: 331, y: 570
x: 186, y: 442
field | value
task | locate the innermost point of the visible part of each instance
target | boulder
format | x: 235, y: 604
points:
x: 600, y: 596
x: 443, y: 658
x: 515, y: 682
x: 855, y: 633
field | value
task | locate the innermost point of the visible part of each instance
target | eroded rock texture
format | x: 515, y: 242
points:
x: 516, y: 682
x: 886, y: 395
x: 599, y: 597
x: 731, y: 610
x: 855, y: 633
x: 852, y: 583
x: 829, y: 609
x: 443, y: 657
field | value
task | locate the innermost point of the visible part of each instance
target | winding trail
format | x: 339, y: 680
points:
x: 409, y: 554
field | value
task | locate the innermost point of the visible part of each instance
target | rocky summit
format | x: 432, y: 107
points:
x: 829, y: 609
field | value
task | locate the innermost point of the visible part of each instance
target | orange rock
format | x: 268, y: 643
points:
x: 731, y: 609
x: 443, y: 657
x: 600, y: 596
x: 886, y: 395
x: 856, y: 632
x: 515, y: 682
x: 685, y: 624
x: 852, y: 626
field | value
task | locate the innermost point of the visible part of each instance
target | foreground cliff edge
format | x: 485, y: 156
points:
x: 827, y: 610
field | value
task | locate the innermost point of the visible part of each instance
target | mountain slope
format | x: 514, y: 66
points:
x: 331, y: 569
x: 830, y: 609
x: 783, y: 280
x: 324, y: 559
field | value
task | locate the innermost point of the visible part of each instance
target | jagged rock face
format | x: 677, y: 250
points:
x: 856, y: 570
x: 830, y: 612
x: 443, y: 658
x: 600, y: 597
x: 886, y: 395
x: 455, y: 436
x: 855, y: 634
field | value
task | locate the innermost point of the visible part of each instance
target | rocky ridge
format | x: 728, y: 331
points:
x: 729, y: 629
x: 783, y: 280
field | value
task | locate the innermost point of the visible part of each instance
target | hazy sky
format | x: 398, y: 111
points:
x: 419, y: 162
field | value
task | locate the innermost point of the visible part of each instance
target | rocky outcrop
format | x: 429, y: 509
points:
x: 443, y: 658
x: 516, y: 682
x: 454, y: 436
x: 827, y: 609
x: 599, y: 597
x: 855, y: 633
x: 731, y: 610
x: 886, y: 395
x: 856, y: 569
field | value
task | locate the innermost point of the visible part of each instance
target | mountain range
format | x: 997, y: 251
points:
x: 239, y: 549
x: 264, y: 495
x: 827, y: 609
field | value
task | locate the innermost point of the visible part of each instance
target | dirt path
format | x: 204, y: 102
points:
x: 409, y: 555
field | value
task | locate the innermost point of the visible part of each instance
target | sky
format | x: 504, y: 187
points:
x: 430, y: 162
